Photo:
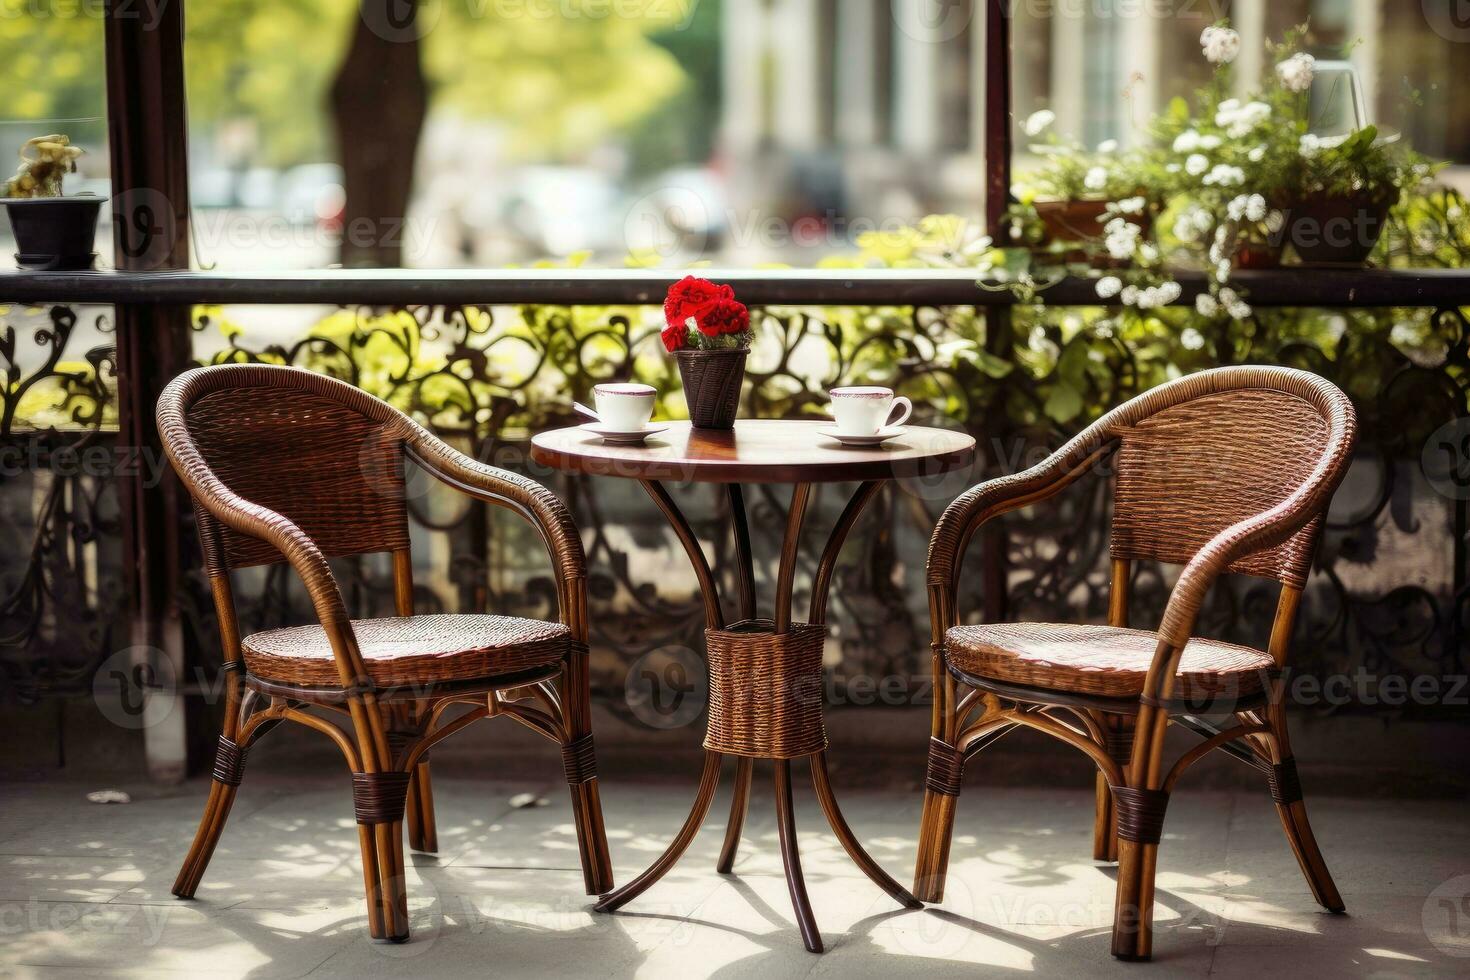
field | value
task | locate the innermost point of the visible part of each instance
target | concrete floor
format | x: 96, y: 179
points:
x: 84, y: 888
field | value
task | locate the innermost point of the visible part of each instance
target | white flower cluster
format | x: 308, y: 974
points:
x: 1220, y: 44
x: 1224, y: 175
x: 1142, y: 297
x: 1131, y: 205
x: 1193, y: 222
x: 1229, y: 301
x: 1190, y: 338
x: 1239, y: 120
x: 1310, y: 145
x: 1122, y: 238
x: 1190, y: 141
x: 1251, y: 207
x: 1297, y: 72
x: 1038, y: 122
x: 1096, y: 179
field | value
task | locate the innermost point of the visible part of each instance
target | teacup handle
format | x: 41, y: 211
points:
x: 900, y: 403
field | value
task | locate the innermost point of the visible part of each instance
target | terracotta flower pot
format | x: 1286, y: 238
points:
x: 1338, y: 229
x: 712, y: 380
x: 1077, y: 221
x: 1259, y: 255
x: 54, y: 233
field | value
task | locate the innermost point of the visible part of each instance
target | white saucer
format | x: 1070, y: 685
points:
x: 882, y: 435
x: 623, y: 437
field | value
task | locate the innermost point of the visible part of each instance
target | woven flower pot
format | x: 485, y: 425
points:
x: 712, y: 380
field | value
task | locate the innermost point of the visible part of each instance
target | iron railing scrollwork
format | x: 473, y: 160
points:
x: 485, y: 377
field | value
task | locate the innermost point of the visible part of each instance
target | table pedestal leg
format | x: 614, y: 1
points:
x: 709, y: 780
x: 738, y: 805
x: 849, y: 841
x: 791, y: 858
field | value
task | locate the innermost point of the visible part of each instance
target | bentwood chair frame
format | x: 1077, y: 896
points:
x: 234, y: 424
x: 1284, y: 435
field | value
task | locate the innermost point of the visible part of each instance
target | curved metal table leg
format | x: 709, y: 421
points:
x: 791, y: 858
x: 739, y: 803
x: 709, y: 780
x: 823, y: 784
x: 825, y: 568
x: 708, y: 588
x: 745, y: 572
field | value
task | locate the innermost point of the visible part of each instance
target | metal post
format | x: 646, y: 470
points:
x: 148, y: 147
x: 998, y: 320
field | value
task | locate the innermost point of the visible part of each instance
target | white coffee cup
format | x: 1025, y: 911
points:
x: 863, y: 411
x: 624, y: 407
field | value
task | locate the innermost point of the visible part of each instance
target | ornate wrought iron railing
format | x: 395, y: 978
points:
x: 489, y: 358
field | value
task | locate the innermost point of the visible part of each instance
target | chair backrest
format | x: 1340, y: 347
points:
x: 320, y: 452
x: 1199, y: 455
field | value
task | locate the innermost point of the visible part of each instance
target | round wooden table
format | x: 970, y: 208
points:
x: 765, y: 679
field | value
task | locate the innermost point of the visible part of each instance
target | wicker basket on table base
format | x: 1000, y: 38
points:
x: 765, y: 690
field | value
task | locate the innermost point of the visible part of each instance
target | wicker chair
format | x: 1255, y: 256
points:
x: 1229, y: 470
x: 286, y: 464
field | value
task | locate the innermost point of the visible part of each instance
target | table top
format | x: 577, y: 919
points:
x: 755, y: 451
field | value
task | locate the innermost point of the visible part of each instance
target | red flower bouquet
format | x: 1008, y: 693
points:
x: 701, y: 315
x: 708, y: 330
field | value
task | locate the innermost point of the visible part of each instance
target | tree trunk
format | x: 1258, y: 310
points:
x: 379, y: 99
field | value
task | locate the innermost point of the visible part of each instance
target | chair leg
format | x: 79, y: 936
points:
x: 739, y: 803
x: 379, y: 799
x: 580, y: 762
x: 1118, y: 730
x: 229, y: 767
x: 422, y: 833
x: 1140, y: 827
x: 1104, y: 823
x: 1133, y: 917
x: 1286, y: 790
x: 936, y: 826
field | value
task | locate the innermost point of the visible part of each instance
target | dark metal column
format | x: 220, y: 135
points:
x: 147, y: 141
x: 998, y: 333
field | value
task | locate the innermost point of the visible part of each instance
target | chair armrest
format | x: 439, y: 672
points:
x: 538, y: 505
x: 993, y: 498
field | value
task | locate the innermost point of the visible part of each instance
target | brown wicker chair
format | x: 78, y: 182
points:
x: 1229, y: 470
x: 286, y: 464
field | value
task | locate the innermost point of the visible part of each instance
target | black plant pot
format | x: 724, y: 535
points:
x: 54, y: 234
x: 1338, y: 229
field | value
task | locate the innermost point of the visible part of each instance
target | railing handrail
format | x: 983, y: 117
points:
x: 1286, y: 287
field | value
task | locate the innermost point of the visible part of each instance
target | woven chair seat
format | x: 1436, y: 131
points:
x: 1101, y: 660
x: 410, y: 650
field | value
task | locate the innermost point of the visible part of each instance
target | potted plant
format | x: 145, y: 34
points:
x: 708, y: 332
x: 1070, y: 194
x: 1349, y: 186
x: 52, y: 232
